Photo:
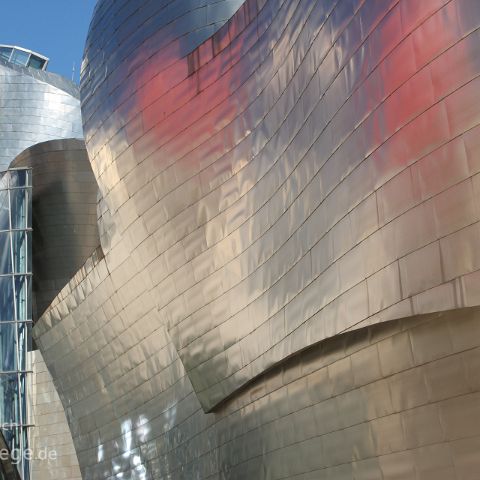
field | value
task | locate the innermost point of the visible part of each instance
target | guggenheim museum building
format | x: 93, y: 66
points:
x: 247, y: 246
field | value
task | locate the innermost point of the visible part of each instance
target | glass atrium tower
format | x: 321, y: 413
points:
x: 15, y: 308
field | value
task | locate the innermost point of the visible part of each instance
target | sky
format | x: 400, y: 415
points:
x: 54, y: 28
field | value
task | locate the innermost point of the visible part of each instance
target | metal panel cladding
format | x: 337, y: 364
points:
x: 272, y: 198
x: 35, y: 106
x: 64, y: 215
x: 307, y: 170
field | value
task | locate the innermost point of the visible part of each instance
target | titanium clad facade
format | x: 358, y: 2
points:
x: 51, y: 432
x: 289, y: 211
x: 64, y: 215
x: 62, y: 204
x: 15, y: 310
x: 290, y: 181
x: 35, y: 106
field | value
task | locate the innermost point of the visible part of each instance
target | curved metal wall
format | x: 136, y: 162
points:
x: 64, y: 215
x: 309, y: 170
x: 35, y: 106
x: 51, y: 432
x: 398, y: 400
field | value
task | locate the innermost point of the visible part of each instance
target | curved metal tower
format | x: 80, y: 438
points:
x: 289, y: 209
x: 35, y: 106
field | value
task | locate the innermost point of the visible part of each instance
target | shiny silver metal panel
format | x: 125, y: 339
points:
x: 310, y: 175
x: 51, y: 432
x: 394, y: 400
x: 35, y: 106
x: 304, y: 178
x: 64, y: 215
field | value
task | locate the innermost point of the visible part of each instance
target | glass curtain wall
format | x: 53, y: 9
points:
x: 15, y: 309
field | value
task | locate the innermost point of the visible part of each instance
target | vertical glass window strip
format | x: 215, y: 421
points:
x: 5, y: 257
x: 29, y: 249
x: 8, y: 345
x: 7, y: 313
x: 19, y: 245
x: 21, y: 298
x: 4, y: 209
x: 15, y: 309
x: 18, y: 201
x: 10, y: 407
x: 24, y: 332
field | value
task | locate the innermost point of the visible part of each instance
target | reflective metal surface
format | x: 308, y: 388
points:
x: 309, y: 170
x: 64, y: 215
x: 35, y: 106
x: 51, y: 433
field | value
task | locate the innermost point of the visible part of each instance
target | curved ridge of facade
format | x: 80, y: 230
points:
x: 64, y: 208
x: 284, y: 193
